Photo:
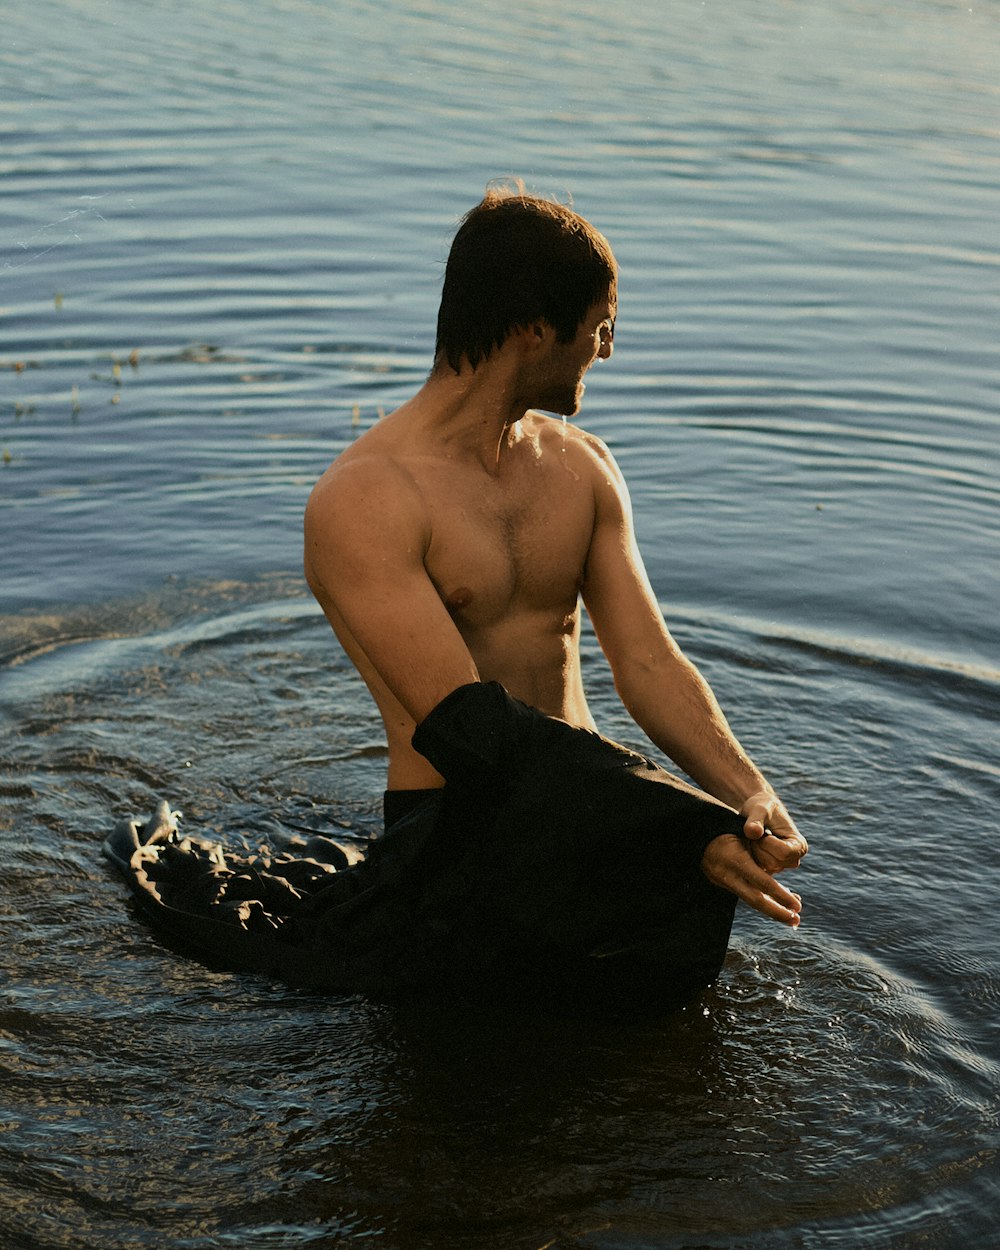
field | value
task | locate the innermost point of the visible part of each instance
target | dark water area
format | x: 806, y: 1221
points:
x: 222, y: 235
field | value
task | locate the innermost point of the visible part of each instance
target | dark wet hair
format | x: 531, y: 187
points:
x: 517, y: 259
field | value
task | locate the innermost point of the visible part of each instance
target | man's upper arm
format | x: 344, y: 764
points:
x: 616, y: 590
x: 365, y: 539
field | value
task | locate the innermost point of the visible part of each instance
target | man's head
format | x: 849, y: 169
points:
x: 517, y: 260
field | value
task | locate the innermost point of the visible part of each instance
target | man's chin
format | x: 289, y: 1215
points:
x: 564, y: 405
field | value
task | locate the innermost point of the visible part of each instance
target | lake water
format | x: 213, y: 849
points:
x: 222, y: 234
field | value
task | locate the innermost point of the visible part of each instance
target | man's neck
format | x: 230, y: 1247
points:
x: 472, y: 414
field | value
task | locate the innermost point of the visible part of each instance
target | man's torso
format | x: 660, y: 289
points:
x: 506, y: 553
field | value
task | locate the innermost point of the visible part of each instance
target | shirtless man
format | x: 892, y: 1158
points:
x: 455, y: 541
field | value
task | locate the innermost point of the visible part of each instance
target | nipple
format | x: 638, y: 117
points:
x: 459, y: 599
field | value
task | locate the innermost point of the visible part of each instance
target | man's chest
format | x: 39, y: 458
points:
x: 502, y: 547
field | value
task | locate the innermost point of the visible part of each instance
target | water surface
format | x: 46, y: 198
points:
x: 222, y: 236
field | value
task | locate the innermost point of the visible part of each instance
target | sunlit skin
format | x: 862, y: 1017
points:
x: 457, y: 540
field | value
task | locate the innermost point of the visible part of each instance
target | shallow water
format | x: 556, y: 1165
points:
x: 221, y: 240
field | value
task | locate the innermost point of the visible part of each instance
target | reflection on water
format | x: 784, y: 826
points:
x: 221, y: 240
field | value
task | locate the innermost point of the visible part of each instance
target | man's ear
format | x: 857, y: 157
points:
x: 536, y: 335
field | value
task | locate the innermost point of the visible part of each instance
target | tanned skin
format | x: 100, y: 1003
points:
x: 456, y: 541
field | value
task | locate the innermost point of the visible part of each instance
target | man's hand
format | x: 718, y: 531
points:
x: 775, y: 843
x: 728, y: 862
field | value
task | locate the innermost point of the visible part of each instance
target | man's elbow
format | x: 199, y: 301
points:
x: 642, y: 679
x: 636, y: 677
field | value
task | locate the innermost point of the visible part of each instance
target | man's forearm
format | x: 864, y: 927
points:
x: 676, y: 709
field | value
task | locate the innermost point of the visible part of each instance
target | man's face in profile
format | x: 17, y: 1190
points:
x: 562, y: 385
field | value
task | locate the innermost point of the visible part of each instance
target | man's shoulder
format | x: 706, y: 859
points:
x: 370, y: 464
x: 586, y: 451
x: 364, y: 482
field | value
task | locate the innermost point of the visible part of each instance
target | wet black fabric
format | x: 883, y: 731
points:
x: 399, y: 803
x: 553, y: 862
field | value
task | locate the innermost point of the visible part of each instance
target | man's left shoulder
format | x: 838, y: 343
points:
x: 561, y: 437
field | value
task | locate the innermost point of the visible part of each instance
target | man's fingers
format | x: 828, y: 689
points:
x: 764, y: 817
x: 755, y: 824
x: 760, y: 890
x: 774, y: 911
x: 767, y: 859
x: 776, y: 902
x: 727, y: 862
x: 757, y: 812
x: 774, y: 854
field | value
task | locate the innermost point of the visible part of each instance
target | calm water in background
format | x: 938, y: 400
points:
x: 221, y: 242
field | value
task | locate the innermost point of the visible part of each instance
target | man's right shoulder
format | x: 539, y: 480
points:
x: 364, y: 502
x: 362, y: 474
